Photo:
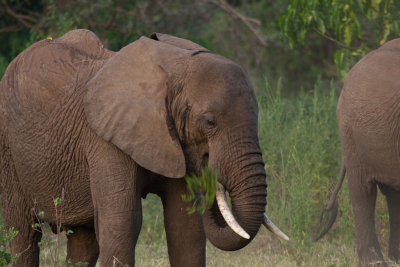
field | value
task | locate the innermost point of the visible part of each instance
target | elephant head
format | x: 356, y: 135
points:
x: 170, y: 104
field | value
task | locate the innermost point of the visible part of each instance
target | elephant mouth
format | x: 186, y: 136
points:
x: 230, y: 220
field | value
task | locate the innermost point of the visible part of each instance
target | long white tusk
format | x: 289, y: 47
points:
x: 275, y: 230
x: 227, y: 213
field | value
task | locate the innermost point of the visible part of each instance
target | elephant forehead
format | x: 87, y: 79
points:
x: 214, y: 68
x: 214, y: 75
x: 213, y: 79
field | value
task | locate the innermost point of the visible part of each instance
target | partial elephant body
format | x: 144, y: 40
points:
x: 368, y: 110
x: 106, y: 128
x: 47, y: 134
x: 47, y: 137
x: 368, y: 116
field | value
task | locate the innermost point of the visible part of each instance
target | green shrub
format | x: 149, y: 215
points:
x: 6, y: 235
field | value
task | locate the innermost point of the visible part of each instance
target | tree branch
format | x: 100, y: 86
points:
x: 340, y: 44
x: 107, y: 24
x: 114, y: 14
x: 249, y: 22
x: 13, y: 28
x: 21, y: 18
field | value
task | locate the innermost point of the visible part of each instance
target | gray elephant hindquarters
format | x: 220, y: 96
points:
x: 368, y: 111
x: 368, y: 105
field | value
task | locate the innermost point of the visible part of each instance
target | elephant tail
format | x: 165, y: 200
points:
x: 330, y: 211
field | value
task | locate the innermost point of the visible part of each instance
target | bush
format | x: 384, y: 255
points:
x: 6, y: 235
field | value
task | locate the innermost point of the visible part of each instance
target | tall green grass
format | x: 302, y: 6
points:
x: 301, y: 148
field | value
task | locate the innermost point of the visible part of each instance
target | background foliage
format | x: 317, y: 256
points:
x: 355, y: 26
x: 296, y: 53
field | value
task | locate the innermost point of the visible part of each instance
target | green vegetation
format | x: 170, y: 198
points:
x: 356, y: 26
x: 6, y: 235
x: 319, y: 37
x: 302, y: 154
x: 201, y: 190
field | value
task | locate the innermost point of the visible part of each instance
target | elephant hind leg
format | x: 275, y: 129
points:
x: 363, y: 199
x: 18, y: 213
x: 393, y: 203
x: 82, y: 246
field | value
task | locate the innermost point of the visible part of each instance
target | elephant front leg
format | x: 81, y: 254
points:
x: 185, y: 236
x: 117, y: 204
x: 363, y: 199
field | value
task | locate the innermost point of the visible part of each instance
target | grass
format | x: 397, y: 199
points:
x: 301, y: 148
x: 265, y: 250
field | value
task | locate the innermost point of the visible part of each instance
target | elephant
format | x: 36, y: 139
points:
x: 107, y: 128
x: 369, y: 128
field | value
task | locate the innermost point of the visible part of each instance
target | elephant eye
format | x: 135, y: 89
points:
x: 210, y: 123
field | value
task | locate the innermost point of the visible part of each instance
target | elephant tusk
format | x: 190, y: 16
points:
x: 227, y: 213
x: 272, y: 227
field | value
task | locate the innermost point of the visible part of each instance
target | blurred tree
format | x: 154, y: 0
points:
x: 355, y: 26
x: 245, y: 31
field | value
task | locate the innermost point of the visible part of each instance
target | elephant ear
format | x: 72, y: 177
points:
x: 125, y: 104
x: 179, y: 42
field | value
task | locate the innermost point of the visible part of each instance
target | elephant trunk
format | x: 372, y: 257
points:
x: 243, y: 177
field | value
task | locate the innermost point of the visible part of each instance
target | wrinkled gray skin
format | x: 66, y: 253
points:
x: 369, y: 124
x: 109, y: 127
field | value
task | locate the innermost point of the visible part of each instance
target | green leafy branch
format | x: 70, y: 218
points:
x: 201, y: 190
x: 355, y: 26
